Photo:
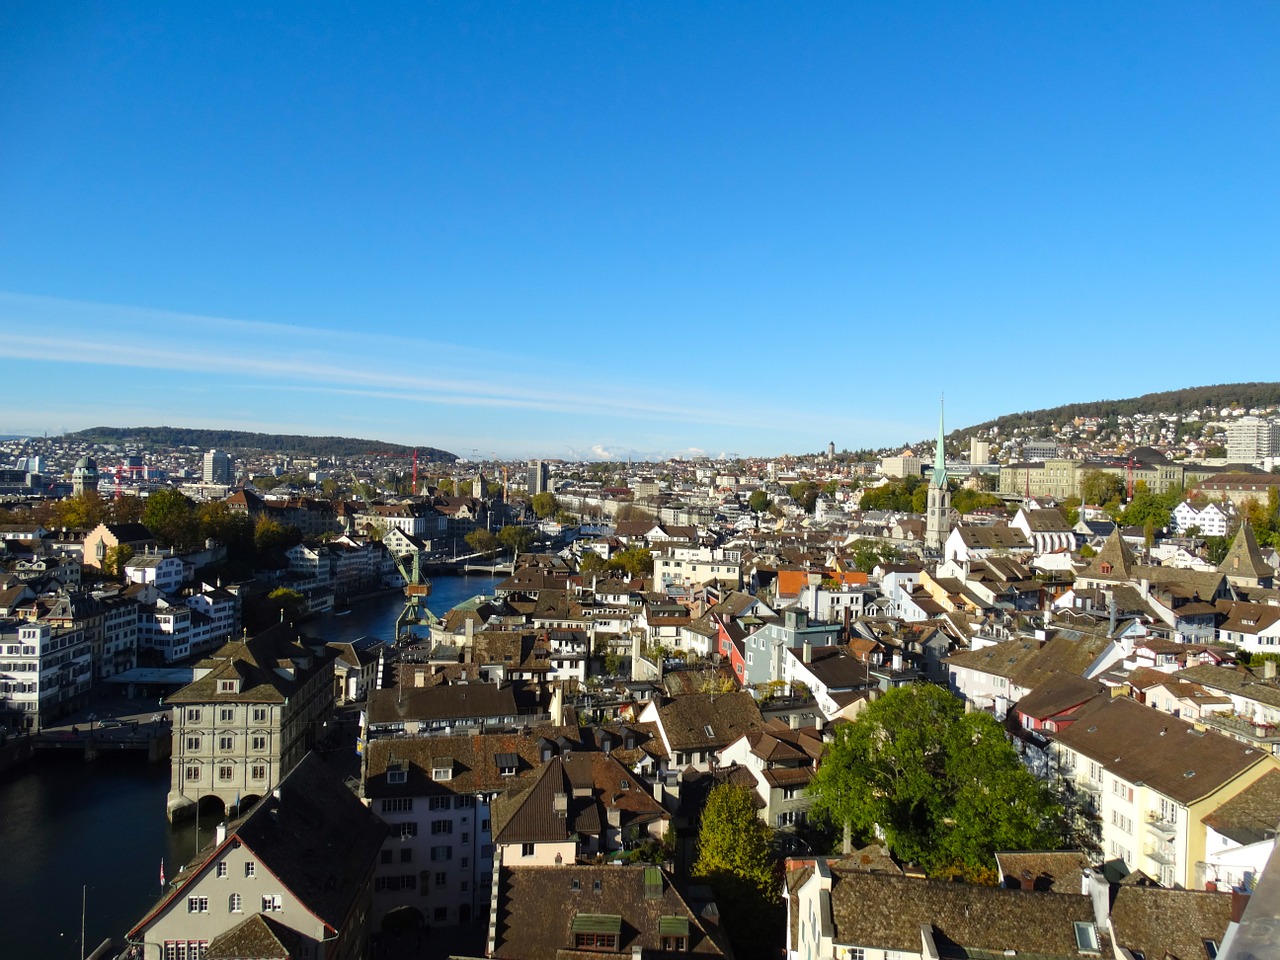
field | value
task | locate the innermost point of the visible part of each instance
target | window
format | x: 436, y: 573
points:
x: 272, y: 903
x: 597, y: 941
x: 466, y: 838
x: 193, y: 744
x: 526, y: 849
x: 441, y: 853
x: 438, y: 803
x: 222, y: 868
x: 226, y: 714
x: 225, y: 774
x: 441, y: 826
x: 197, y: 904
x: 386, y: 856
x: 397, y: 776
x: 442, y: 878
x: 185, y: 949
x: 466, y: 862
x: 250, y: 868
x: 226, y: 743
x: 259, y: 714
x: 442, y: 773
x: 226, y: 686
x: 484, y: 825
x: 675, y: 944
x: 463, y: 802
x: 397, y: 805
x: 193, y: 772
x: 234, y: 903
x: 258, y: 771
x: 406, y: 854
x: 193, y: 714
x: 441, y: 914
x: 259, y: 744
x: 408, y: 829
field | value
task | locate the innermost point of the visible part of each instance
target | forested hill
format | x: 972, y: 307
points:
x: 234, y: 441
x: 1170, y: 401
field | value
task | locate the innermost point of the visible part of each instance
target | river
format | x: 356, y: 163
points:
x: 70, y: 828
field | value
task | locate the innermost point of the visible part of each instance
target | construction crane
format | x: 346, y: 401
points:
x: 399, y: 456
x: 416, y: 590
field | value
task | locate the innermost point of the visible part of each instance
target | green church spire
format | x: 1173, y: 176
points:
x: 940, y: 454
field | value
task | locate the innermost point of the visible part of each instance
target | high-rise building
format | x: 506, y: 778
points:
x: 217, y: 468
x: 979, y: 451
x: 539, y: 477
x: 1253, y: 439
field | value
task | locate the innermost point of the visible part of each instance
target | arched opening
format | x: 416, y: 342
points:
x: 245, y: 805
x: 403, y: 920
x: 210, y: 807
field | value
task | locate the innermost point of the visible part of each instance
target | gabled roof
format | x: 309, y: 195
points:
x: 1114, y: 561
x: 1058, y: 693
x: 253, y: 663
x: 540, y: 909
x: 311, y: 834
x: 260, y: 937
x: 1244, y: 558
x: 702, y: 721
x: 1137, y: 743
x: 1158, y: 922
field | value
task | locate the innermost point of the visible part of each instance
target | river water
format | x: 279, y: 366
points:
x: 71, y: 829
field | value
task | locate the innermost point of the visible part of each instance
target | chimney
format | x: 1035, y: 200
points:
x: 897, y: 661
x: 819, y: 721
x: 560, y: 804
x: 220, y: 833
x: 1268, y: 669
x: 793, y: 721
x: 808, y: 652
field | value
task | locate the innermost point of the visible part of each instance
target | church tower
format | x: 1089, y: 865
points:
x: 938, y: 513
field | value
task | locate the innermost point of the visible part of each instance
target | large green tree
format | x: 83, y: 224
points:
x: 482, y: 541
x: 171, y: 517
x: 944, y: 788
x: 758, y: 501
x: 735, y: 858
x: 544, y: 505
x: 1098, y: 487
x: 516, y: 539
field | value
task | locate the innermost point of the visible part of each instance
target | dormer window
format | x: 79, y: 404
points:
x: 228, y: 686
x: 709, y: 731
x: 442, y: 769
x: 506, y: 764
x: 397, y: 774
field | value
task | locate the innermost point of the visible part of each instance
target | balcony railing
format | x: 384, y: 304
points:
x: 1160, y: 826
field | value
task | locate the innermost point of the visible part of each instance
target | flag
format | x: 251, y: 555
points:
x: 162, y: 872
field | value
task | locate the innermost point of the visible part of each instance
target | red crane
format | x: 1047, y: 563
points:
x: 399, y: 456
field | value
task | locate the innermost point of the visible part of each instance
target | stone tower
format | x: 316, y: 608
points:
x: 938, y: 512
x: 84, y: 478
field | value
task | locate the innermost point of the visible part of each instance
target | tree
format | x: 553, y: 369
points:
x: 591, y: 563
x: 482, y: 541
x: 913, y: 766
x: 115, y: 559
x: 634, y: 561
x: 85, y: 510
x: 544, y: 504
x: 171, y: 518
x: 516, y: 539
x: 735, y: 859
x: 284, y: 604
x: 758, y: 502
x: 868, y: 554
x: 1098, y: 487
x: 271, y: 537
x: 805, y: 494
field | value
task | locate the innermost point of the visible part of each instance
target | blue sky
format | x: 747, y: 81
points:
x: 642, y: 229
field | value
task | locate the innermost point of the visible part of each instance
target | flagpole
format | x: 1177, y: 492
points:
x: 84, y: 898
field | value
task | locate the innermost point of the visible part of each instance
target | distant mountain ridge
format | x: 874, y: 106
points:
x: 234, y: 441
x: 1169, y: 401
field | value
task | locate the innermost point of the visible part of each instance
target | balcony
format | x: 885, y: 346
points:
x: 1160, y: 826
x: 1161, y: 853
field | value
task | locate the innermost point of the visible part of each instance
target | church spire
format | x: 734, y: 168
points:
x: 940, y: 453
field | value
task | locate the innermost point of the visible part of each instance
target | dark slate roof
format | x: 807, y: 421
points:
x: 1169, y: 923
x: 254, y: 663
x: 729, y: 715
x: 1172, y: 757
x: 443, y: 702
x: 1244, y: 559
x: 1057, y: 693
x: 1251, y: 815
x: 311, y: 833
x: 1055, y: 871
x: 592, y: 784
x: 260, y: 937
x: 537, y: 907
x: 886, y: 912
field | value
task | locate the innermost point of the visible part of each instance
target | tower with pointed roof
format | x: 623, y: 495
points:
x: 938, y: 512
x: 1244, y: 565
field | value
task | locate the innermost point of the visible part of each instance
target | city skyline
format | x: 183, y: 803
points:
x: 599, y: 231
